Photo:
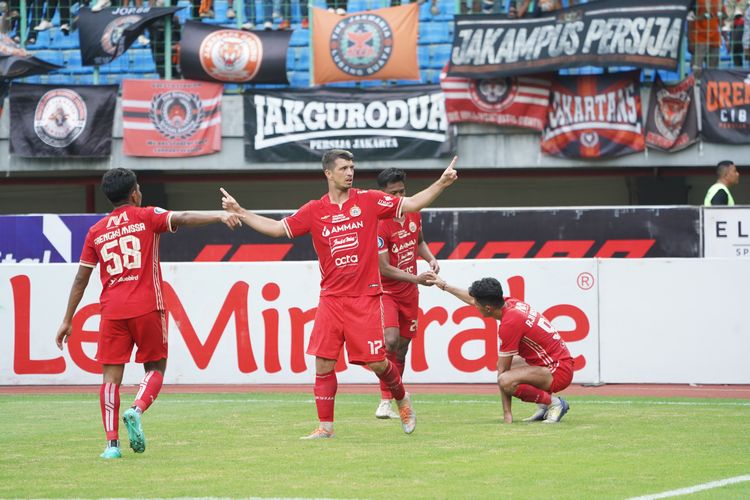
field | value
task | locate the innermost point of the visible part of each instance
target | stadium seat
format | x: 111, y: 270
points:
x: 423, y: 56
x: 299, y: 79
x: 302, y: 58
x: 141, y: 61
x: 59, y: 79
x: 51, y: 56
x: 60, y: 41
x: 300, y: 38
x: 184, y: 13
x: 439, y: 55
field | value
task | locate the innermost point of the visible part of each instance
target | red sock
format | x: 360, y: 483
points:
x: 391, y: 378
x: 109, y: 401
x: 400, y: 365
x: 385, y: 393
x: 531, y: 394
x: 326, y: 385
x: 149, y: 389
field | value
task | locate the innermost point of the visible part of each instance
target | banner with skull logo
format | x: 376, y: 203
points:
x: 594, y: 116
x: 107, y: 34
x: 54, y: 121
x: 218, y: 54
x: 672, y: 119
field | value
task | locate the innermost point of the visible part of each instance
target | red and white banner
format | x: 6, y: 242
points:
x: 171, y: 118
x: 507, y: 102
x: 250, y: 323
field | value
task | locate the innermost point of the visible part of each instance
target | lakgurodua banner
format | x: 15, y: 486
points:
x: 725, y: 106
x: 219, y: 54
x: 17, y: 62
x: 107, y: 34
x: 171, y: 118
x: 594, y: 116
x: 638, y: 33
x: 378, y: 44
x: 302, y: 124
x: 672, y: 119
x: 507, y: 102
x: 55, y: 121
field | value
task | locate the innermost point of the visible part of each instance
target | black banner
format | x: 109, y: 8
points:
x: 4, y: 85
x: 672, y: 120
x: 219, y: 54
x: 725, y: 106
x: 473, y: 234
x: 301, y: 125
x: 107, y: 34
x: 17, y: 62
x: 638, y: 33
x: 54, y: 121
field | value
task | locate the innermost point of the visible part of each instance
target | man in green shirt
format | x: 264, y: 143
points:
x: 718, y: 194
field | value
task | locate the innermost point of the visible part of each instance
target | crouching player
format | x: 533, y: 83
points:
x: 523, y: 331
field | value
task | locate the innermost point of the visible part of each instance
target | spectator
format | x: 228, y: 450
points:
x: 746, y: 33
x: 704, y: 36
x: 539, y: 6
x: 158, y: 47
x: 726, y: 176
x: 337, y: 6
x: 733, y: 28
x: 45, y: 22
x: 13, y: 20
x: 286, y: 14
x: 434, y: 9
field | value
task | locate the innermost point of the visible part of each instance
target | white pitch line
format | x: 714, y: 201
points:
x: 695, y: 489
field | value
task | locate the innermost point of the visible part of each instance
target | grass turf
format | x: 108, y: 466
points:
x: 240, y: 445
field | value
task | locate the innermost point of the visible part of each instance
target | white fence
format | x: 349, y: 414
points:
x: 625, y: 320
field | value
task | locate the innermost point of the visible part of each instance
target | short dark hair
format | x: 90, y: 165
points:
x: 118, y: 183
x: 722, y: 167
x: 330, y: 157
x: 488, y: 292
x: 390, y: 175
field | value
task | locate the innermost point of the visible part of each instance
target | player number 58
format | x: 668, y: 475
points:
x: 130, y: 248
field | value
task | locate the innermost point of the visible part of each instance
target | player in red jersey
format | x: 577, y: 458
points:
x: 125, y: 244
x: 400, y: 242
x: 523, y: 331
x: 343, y: 226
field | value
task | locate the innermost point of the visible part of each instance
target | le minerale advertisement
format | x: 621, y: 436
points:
x: 638, y: 33
x: 301, y: 125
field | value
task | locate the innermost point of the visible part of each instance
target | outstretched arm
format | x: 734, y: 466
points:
x: 459, y: 293
x: 203, y: 218
x: 264, y: 225
x: 76, y: 294
x: 425, y: 197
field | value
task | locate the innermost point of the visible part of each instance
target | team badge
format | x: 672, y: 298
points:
x: 671, y: 112
x: 493, y: 95
x: 176, y: 114
x: 60, y: 117
x: 355, y: 211
x: 412, y: 227
x: 112, y: 41
x: 231, y: 55
x: 381, y: 242
x: 361, y: 44
x: 590, y: 139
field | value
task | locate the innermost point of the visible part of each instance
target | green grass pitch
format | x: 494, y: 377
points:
x: 247, y: 445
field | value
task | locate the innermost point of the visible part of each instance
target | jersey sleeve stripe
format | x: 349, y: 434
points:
x: 399, y: 205
x: 169, y: 223
x: 287, y: 229
x: 87, y: 264
x: 507, y: 354
x: 385, y: 250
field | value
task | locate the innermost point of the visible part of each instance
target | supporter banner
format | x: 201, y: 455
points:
x: 638, y: 33
x: 107, y: 34
x: 507, y: 102
x: 594, y: 116
x: 17, y: 62
x: 251, y: 323
x: 725, y: 106
x: 54, y: 121
x: 171, y: 118
x: 376, y: 44
x: 451, y: 234
x: 672, y: 121
x: 377, y: 124
x: 726, y: 232
x: 219, y: 54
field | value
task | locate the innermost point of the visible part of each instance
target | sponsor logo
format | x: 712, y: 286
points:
x: 493, y: 95
x: 403, y: 246
x: 60, y: 117
x: 412, y: 227
x: 116, y: 220
x: 381, y: 242
x: 385, y: 203
x: 343, y: 227
x: 325, y: 217
x: 176, y: 114
x: 405, y: 258
x: 231, y: 55
x: 112, y: 41
x: 339, y: 218
x: 343, y: 242
x: 361, y: 44
x: 355, y: 211
x: 346, y: 260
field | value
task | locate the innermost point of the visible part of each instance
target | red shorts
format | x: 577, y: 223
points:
x: 402, y: 311
x: 358, y: 321
x: 562, y: 376
x: 117, y: 337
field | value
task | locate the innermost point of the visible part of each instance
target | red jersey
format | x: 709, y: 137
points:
x: 345, y: 239
x: 525, y: 332
x: 400, y: 238
x: 126, y: 244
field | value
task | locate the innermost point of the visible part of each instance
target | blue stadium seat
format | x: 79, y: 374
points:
x: 302, y: 58
x: 84, y: 79
x: 75, y: 64
x: 435, y: 32
x: 184, y: 13
x: 300, y: 38
x: 220, y: 10
x: 119, y: 65
x: 60, y: 41
x: 360, y: 5
x: 423, y: 56
x: 59, y: 79
x: 141, y: 61
x: 439, y: 55
x: 299, y: 79
x: 42, y: 41
x: 370, y: 84
x: 51, y: 56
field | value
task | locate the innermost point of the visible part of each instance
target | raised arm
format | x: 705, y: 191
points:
x: 425, y: 197
x: 264, y: 225
x: 459, y: 293
x: 76, y: 294
x: 203, y: 218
